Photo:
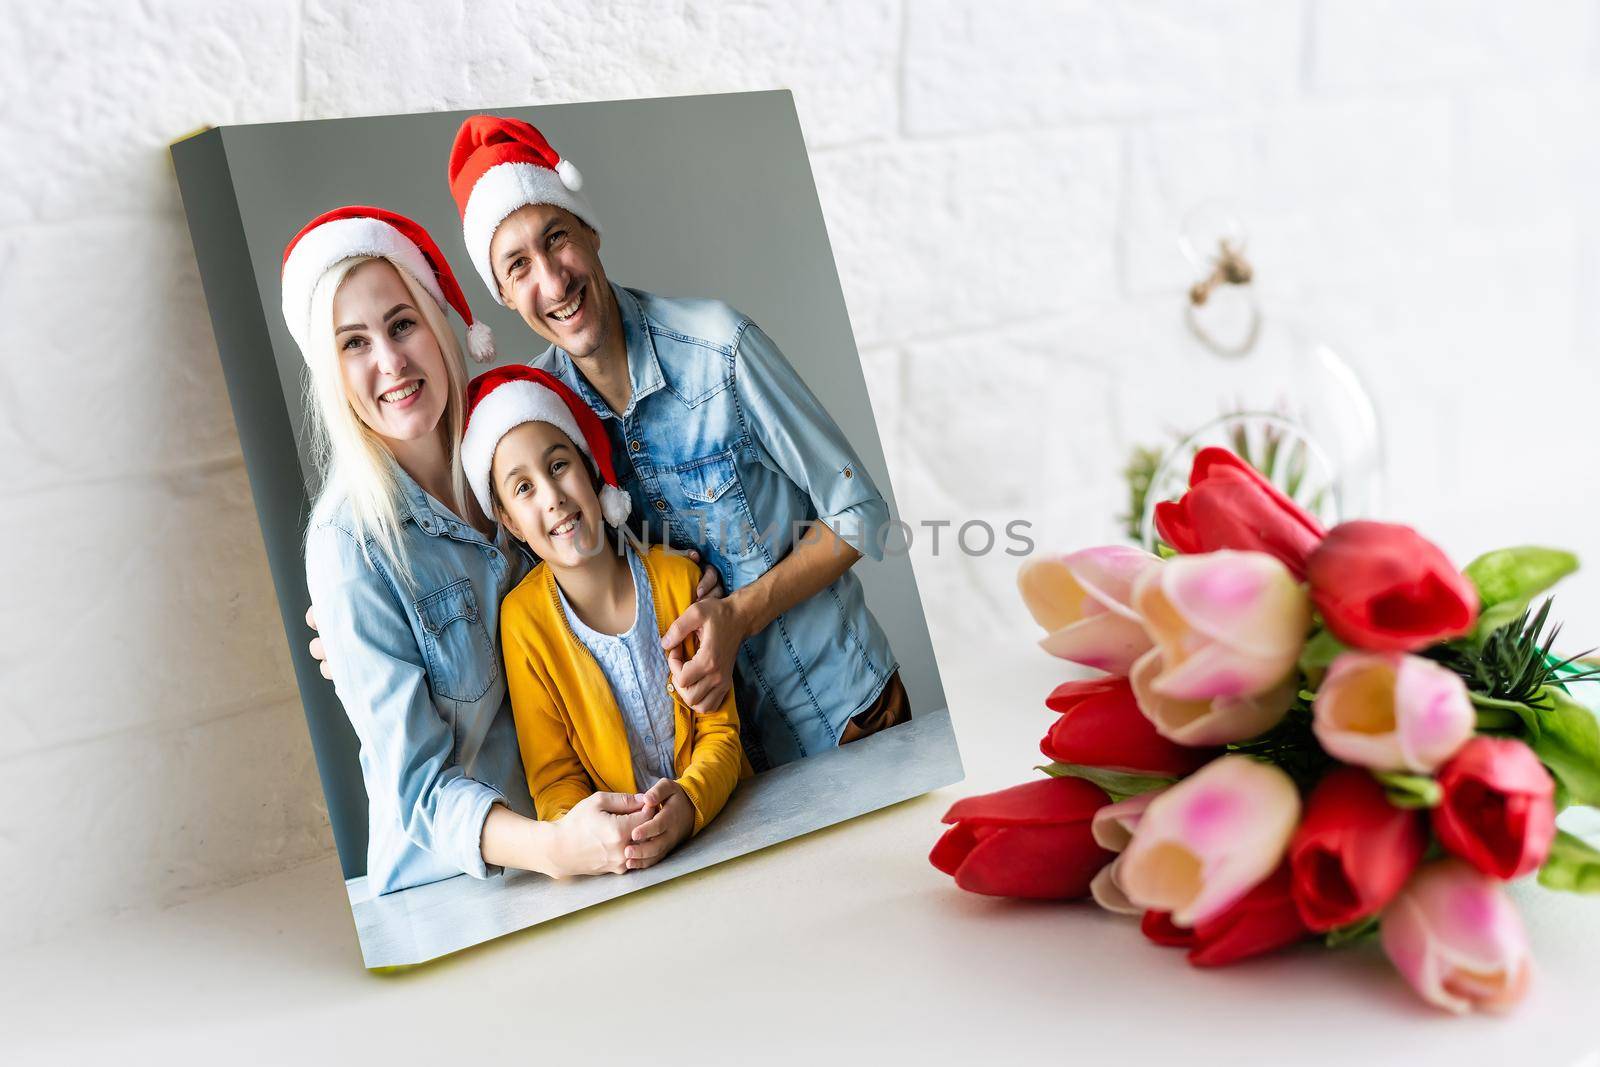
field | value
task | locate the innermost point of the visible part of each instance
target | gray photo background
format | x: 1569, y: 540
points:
x: 708, y: 196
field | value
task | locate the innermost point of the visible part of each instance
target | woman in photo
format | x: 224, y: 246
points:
x: 406, y: 573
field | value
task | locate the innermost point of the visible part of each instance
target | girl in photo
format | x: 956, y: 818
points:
x: 591, y: 689
x: 406, y: 572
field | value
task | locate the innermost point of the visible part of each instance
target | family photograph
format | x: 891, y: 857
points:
x: 592, y: 569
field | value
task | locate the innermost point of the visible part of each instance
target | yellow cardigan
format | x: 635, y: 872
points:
x: 569, y: 728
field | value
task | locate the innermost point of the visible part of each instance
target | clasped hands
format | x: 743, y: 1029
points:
x: 612, y: 833
x: 670, y: 820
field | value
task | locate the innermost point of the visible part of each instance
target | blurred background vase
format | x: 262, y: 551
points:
x: 1265, y: 386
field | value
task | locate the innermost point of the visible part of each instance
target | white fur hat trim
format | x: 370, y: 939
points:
x: 508, y: 406
x: 334, y: 242
x: 502, y: 190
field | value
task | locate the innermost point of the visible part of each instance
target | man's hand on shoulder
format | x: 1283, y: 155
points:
x: 710, y: 580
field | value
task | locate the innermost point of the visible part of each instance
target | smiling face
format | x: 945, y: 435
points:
x: 545, y: 495
x: 547, y: 264
x: 389, y: 360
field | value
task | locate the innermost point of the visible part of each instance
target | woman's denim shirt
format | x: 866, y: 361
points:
x: 419, y: 673
x: 724, y: 449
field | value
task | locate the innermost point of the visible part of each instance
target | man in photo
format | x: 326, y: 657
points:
x: 721, y: 446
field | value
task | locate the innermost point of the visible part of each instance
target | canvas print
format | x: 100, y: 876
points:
x: 560, y: 440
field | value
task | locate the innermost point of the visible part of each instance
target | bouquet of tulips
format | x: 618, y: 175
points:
x: 1299, y: 733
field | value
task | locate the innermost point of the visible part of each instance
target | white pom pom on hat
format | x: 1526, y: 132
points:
x: 569, y: 175
x: 480, y: 342
x: 615, y: 504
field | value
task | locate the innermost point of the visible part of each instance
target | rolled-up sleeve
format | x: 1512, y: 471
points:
x: 379, y: 674
x: 804, y: 441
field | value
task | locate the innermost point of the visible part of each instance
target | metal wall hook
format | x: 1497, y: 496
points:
x: 1228, y: 267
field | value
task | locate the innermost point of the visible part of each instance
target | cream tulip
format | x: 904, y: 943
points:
x: 1082, y: 600
x: 1458, y: 939
x: 1207, y: 723
x: 1205, y: 842
x: 1226, y: 624
x: 1391, y: 711
x: 1112, y: 827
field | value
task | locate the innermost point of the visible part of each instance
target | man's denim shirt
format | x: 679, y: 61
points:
x: 418, y: 670
x: 724, y: 449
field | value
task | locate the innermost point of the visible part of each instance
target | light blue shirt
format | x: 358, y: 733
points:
x: 725, y: 450
x: 636, y: 669
x: 418, y: 670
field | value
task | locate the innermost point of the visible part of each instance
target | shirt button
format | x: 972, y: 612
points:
x: 848, y: 473
x: 670, y: 689
x: 661, y: 505
x: 633, y: 446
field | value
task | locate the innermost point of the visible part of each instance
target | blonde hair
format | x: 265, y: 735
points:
x: 353, y: 461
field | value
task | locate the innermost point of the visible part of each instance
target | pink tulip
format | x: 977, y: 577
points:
x: 1082, y: 600
x: 1112, y: 828
x: 1205, y: 842
x: 1207, y: 723
x: 1457, y: 938
x: 1390, y: 711
x: 1226, y: 624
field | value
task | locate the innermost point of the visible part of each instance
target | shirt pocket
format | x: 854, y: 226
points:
x: 706, y: 481
x: 714, y: 505
x: 462, y: 664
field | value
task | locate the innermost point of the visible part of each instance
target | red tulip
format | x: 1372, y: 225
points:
x: 1263, y: 921
x: 1159, y: 927
x: 1230, y: 505
x: 1032, y: 840
x: 1498, y: 811
x: 1101, y: 726
x: 1353, y: 850
x: 1384, y: 588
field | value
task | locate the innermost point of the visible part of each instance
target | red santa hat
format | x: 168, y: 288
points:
x: 498, y: 165
x: 500, y: 400
x: 337, y: 235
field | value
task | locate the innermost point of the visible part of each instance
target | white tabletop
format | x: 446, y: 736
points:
x: 844, y: 944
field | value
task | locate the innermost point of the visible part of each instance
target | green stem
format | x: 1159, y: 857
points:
x: 1498, y: 719
x: 1410, y: 790
x: 1483, y: 701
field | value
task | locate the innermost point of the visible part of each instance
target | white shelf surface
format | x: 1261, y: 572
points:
x: 844, y: 944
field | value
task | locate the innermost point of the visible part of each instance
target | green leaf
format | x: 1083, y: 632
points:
x: 1568, y: 743
x: 1493, y: 618
x: 1410, y: 790
x: 1521, y: 573
x: 1320, y: 652
x: 1351, y: 932
x: 1119, y: 785
x: 1508, y: 578
x: 1496, y: 714
x: 1573, y: 865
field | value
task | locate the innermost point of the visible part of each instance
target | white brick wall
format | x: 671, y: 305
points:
x: 1002, y: 184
